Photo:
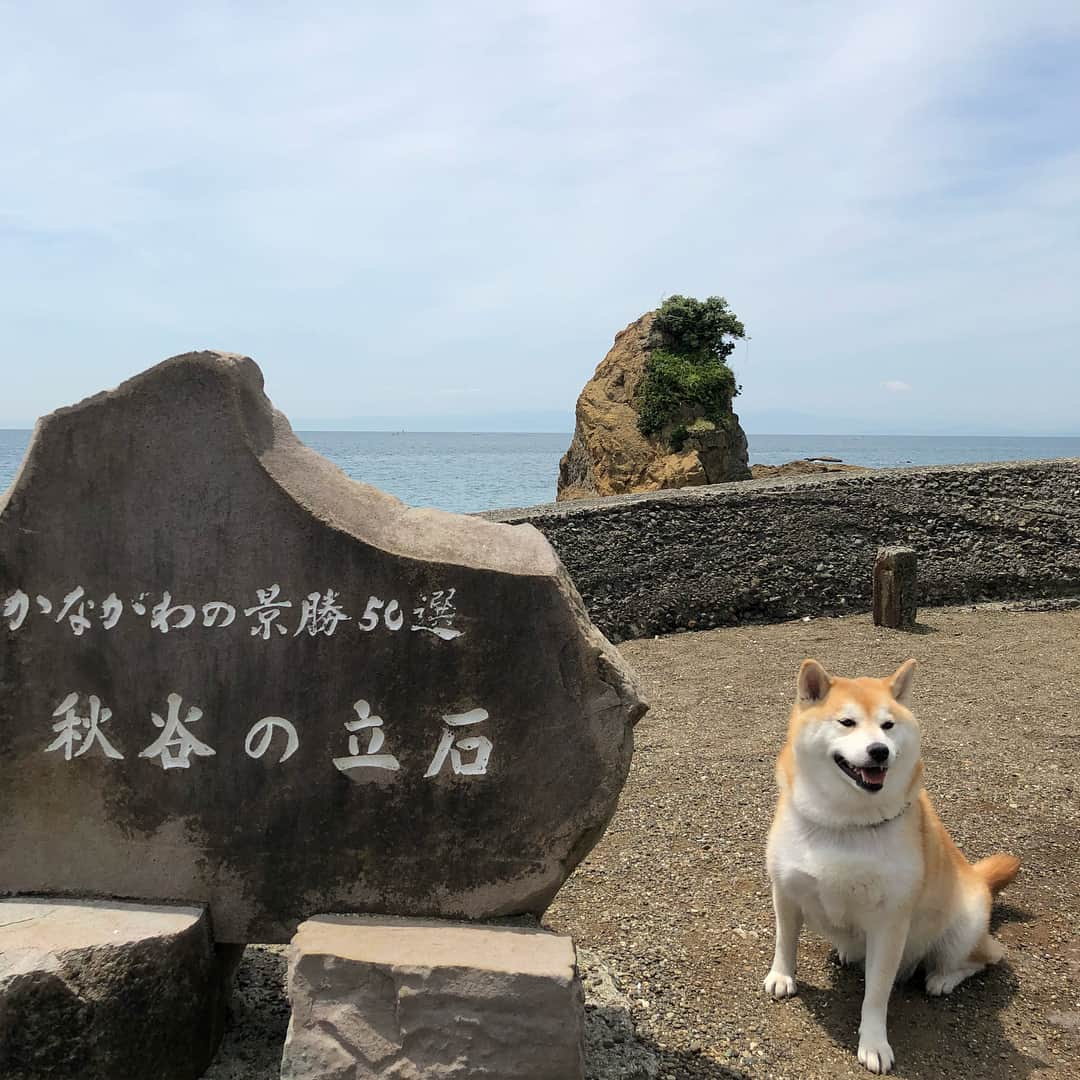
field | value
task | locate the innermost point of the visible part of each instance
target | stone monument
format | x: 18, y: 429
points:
x: 231, y: 675
x: 238, y: 686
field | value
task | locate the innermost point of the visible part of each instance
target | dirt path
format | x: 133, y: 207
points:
x: 674, y: 902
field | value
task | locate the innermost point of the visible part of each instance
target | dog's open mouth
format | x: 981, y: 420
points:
x: 869, y: 779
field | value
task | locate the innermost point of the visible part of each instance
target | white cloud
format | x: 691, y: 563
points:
x: 896, y: 386
x: 499, y: 188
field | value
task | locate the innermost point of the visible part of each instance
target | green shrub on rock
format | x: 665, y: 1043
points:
x: 686, y: 371
x: 672, y: 384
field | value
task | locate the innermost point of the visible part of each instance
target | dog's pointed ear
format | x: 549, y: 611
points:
x: 813, y: 683
x: 900, y: 683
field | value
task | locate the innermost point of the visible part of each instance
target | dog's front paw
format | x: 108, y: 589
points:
x: 876, y: 1054
x: 778, y: 985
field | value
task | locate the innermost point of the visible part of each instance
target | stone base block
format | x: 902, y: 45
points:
x: 100, y: 990
x: 375, y: 998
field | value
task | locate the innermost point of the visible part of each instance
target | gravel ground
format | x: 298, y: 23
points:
x: 671, y: 911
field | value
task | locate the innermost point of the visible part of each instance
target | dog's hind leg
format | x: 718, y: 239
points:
x: 950, y: 971
x: 945, y: 982
x: 780, y: 982
x: 966, y: 949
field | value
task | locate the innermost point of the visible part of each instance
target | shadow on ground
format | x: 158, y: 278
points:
x: 258, y: 1019
x: 929, y: 1036
x: 614, y: 1051
x: 1009, y: 913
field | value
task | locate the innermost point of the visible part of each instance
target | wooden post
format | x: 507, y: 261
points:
x: 895, y: 580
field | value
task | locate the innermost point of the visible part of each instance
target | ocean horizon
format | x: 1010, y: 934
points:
x: 469, y: 472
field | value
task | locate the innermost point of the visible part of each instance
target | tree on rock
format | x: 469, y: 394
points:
x: 697, y: 328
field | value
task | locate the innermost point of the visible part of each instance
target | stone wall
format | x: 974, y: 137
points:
x: 769, y: 550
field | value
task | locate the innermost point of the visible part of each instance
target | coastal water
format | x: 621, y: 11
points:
x: 469, y: 472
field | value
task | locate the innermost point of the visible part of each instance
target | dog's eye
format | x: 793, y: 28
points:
x: 847, y: 721
x: 888, y: 724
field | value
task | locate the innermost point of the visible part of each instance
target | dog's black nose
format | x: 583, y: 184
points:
x: 878, y: 751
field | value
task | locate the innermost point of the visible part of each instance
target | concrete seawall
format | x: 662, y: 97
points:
x: 768, y: 550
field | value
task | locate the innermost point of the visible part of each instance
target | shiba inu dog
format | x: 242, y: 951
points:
x: 857, y: 852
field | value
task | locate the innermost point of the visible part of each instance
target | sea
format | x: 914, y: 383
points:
x: 486, y: 471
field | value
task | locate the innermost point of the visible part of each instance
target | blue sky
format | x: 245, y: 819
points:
x: 439, y: 215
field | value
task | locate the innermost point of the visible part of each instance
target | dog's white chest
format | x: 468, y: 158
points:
x: 847, y: 879
x: 853, y: 888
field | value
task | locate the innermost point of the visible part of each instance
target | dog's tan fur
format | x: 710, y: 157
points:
x: 871, y: 867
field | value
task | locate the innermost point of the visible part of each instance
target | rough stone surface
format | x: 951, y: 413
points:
x: 769, y: 550
x: 253, y: 1043
x: 609, y: 456
x: 379, y: 998
x: 896, y: 588
x: 106, y: 991
x: 184, y: 717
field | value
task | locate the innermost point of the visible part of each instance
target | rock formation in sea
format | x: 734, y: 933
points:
x: 610, y: 456
x: 803, y: 467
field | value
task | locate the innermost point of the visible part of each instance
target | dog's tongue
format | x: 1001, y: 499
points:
x: 872, y: 776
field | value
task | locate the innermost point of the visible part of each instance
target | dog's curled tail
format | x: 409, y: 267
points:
x: 997, y: 871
